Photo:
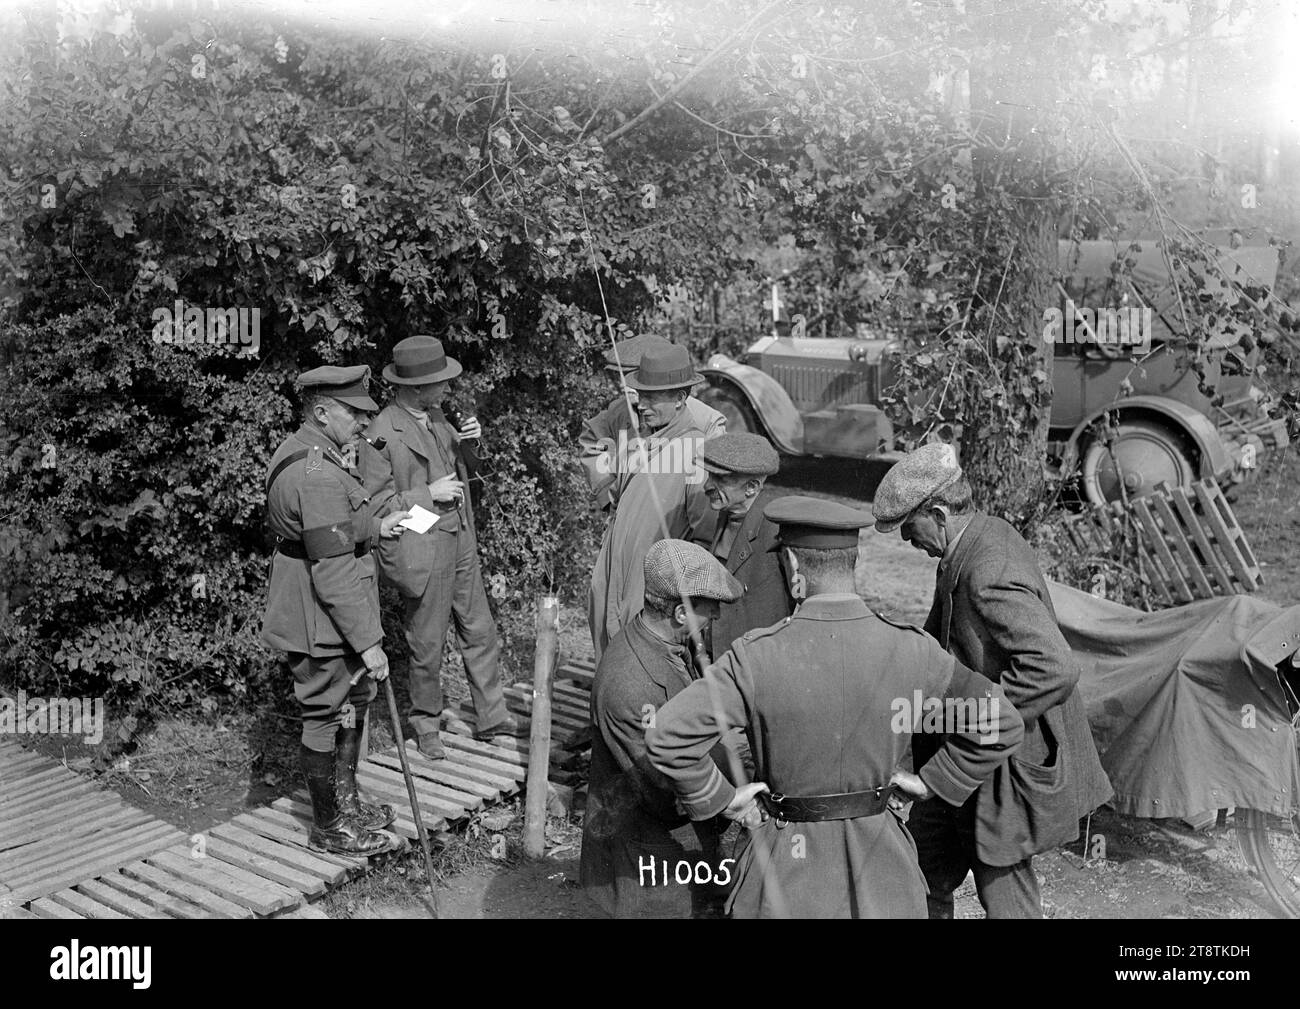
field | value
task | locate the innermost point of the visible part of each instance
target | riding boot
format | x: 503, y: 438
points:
x: 332, y: 829
x: 347, y: 751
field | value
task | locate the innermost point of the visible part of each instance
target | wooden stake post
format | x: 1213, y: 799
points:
x: 539, y: 744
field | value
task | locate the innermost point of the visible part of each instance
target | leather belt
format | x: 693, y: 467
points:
x: 814, y: 808
x: 295, y: 549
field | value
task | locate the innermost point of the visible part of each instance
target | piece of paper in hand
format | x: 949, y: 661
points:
x: 421, y: 520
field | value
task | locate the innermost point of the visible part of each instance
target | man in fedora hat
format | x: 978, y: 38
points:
x: 600, y: 434
x: 322, y: 606
x: 437, y: 572
x: 658, y: 487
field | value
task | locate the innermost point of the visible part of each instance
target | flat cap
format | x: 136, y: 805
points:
x: 347, y: 385
x: 740, y: 453
x: 629, y: 351
x: 815, y: 523
x: 676, y: 568
x: 922, y: 472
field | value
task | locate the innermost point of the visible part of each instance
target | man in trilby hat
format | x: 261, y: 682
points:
x: 436, y: 572
x: 322, y: 605
x: 658, y: 487
x: 599, y: 437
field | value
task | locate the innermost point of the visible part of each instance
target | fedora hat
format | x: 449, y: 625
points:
x: 419, y: 360
x: 664, y: 367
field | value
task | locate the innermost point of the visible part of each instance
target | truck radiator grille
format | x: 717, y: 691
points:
x: 814, y: 386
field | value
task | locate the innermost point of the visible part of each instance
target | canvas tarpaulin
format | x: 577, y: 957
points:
x: 1186, y: 706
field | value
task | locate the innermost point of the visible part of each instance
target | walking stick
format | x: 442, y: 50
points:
x: 410, y: 790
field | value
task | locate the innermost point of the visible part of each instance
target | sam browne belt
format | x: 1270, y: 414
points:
x: 837, y: 806
x: 295, y: 549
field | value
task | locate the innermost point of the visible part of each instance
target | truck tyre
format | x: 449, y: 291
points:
x: 732, y: 404
x: 1147, y: 452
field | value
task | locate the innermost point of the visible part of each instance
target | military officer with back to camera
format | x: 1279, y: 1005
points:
x: 817, y: 696
x: 437, y: 572
x: 737, y: 465
x: 993, y: 612
x: 599, y: 438
x: 323, y: 602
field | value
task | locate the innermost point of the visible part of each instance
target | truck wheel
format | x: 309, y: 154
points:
x: 1271, y: 846
x: 734, y: 407
x: 1148, y: 453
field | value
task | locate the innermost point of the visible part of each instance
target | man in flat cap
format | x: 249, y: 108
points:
x: 737, y: 465
x: 657, y: 489
x: 992, y: 611
x: 323, y: 602
x: 818, y: 696
x: 615, y: 425
x: 437, y: 572
x: 632, y: 825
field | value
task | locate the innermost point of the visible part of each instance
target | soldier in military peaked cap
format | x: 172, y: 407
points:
x: 323, y: 605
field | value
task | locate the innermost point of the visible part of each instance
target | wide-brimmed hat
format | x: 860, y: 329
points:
x: 419, y: 360
x: 625, y: 356
x: 667, y: 367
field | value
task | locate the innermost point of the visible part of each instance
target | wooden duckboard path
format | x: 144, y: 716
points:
x: 258, y: 865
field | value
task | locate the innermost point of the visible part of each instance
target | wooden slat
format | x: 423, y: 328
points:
x: 1235, y: 534
x: 16, y: 913
x: 47, y: 908
x: 119, y: 901
x: 88, y: 848
x: 262, y: 898
x: 198, y: 895
x: 103, y: 860
x: 301, y: 859
x: 1176, y: 535
x: 85, y: 906
x: 287, y: 829
x: 143, y: 892
x: 514, y: 769
x: 450, y: 797
x: 1223, y: 538
x: 15, y: 862
x: 89, y: 807
x: 306, y: 911
x: 1193, y: 525
x: 42, y: 782
x: 38, y: 802
x: 1146, y: 557
x: 436, y: 770
x: 1157, y: 542
x: 16, y: 768
x: 268, y: 868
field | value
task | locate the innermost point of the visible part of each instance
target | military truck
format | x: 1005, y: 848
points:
x: 814, y: 396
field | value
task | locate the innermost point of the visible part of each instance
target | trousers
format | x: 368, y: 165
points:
x: 454, y: 595
x: 323, y: 687
x: 945, y: 847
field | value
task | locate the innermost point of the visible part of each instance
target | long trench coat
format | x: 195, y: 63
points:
x: 664, y: 500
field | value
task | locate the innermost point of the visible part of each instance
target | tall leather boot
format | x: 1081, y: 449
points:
x: 347, y: 751
x: 332, y: 829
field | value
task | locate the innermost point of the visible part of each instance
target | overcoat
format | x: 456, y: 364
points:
x: 993, y: 612
x: 817, y: 696
x: 326, y: 603
x: 665, y: 500
x: 599, y: 439
x: 758, y: 569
